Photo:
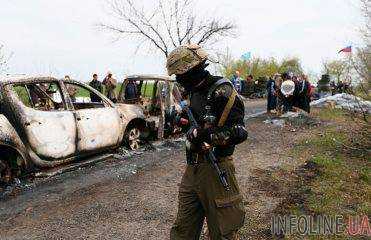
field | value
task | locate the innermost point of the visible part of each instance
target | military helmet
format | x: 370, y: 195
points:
x: 184, y: 58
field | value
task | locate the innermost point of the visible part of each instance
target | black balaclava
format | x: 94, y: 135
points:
x: 195, y: 79
x: 285, y: 76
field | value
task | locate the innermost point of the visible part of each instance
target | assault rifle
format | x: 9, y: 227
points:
x: 209, y: 152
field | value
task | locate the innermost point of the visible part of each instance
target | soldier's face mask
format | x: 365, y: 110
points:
x: 185, y: 82
x: 191, y: 79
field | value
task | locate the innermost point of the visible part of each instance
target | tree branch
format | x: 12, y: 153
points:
x: 167, y: 24
x: 171, y: 24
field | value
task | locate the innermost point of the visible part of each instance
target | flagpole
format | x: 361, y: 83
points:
x: 348, y: 51
x: 349, y: 80
x: 349, y: 67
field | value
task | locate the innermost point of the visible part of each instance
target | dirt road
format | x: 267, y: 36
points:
x: 136, y: 197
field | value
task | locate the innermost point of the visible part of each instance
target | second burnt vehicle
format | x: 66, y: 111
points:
x: 155, y: 95
x: 44, y: 123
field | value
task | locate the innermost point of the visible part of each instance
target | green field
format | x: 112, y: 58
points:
x: 85, y: 93
x: 340, y: 182
x: 146, y: 91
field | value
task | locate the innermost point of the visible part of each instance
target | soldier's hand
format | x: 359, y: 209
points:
x: 198, y: 136
x: 200, y: 148
x: 206, y: 147
x: 192, y: 135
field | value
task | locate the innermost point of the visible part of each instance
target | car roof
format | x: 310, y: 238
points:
x: 34, y: 79
x: 25, y: 79
x: 151, y: 77
x: 21, y: 79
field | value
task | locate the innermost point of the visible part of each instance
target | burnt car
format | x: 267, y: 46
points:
x: 155, y: 95
x: 45, y: 123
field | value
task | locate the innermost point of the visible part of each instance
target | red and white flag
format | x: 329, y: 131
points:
x: 346, y: 50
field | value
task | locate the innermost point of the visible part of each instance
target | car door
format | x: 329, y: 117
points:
x: 47, y: 123
x: 99, y: 124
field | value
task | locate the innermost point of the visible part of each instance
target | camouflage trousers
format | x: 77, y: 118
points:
x: 201, y: 195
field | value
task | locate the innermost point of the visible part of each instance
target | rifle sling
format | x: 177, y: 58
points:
x: 227, y: 109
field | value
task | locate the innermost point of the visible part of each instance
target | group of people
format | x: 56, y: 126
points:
x: 107, y: 87
x: 240, y: 83
x: 339, y: 87
x: 287, y: 92
x: 110, y: 84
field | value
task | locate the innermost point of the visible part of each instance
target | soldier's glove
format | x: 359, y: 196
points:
x: 238, y: 134
x: 198, y: 136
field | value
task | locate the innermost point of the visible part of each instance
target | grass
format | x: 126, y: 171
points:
x: 82, y: 92
x: 22, y: 94
x: 335, y: 115
x: 146, y: 91
x: 341, y: 185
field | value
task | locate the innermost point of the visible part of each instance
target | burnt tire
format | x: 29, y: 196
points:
x: 5, y: 172
x: 133, y: 137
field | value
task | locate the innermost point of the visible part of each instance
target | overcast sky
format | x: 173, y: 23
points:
x: 58, y: 37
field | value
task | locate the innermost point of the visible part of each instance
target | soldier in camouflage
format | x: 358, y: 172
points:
x: 201, y: 195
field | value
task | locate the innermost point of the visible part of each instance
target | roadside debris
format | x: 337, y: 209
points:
x: 16, y: 185
x: 296, y: 119
x: 300, y: 119
x: 168, y: 144
x: 62, y: 169
x: 344, y: 101
x: 276, y: 122
x: 292, y: 114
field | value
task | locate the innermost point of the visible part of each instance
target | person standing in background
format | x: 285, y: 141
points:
x: 340, y: 87
x: 271, y: 97
x: 131, y: 90
x: 249, y: 85
x: 296, y: 97
x: 97, y: 85
x: 288, y: 96
x: 303, y: 94
x: 236, y: 80
x: 110, y: 83
x: 279, y: 96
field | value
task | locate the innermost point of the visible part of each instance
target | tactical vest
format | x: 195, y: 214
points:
x: 199, y: 101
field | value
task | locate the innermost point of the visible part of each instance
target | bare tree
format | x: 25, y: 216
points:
x: 361, y: 63
x: 170, y: 24
x: 336, y: 68
x: 361, y: 60
x: 366, y: 30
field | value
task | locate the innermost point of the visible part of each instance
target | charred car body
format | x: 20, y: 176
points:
x: 43, y: 124
x: 155, y: 95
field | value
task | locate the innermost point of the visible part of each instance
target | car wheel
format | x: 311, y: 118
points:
x: 5, y: 172
x: 133, y: 138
